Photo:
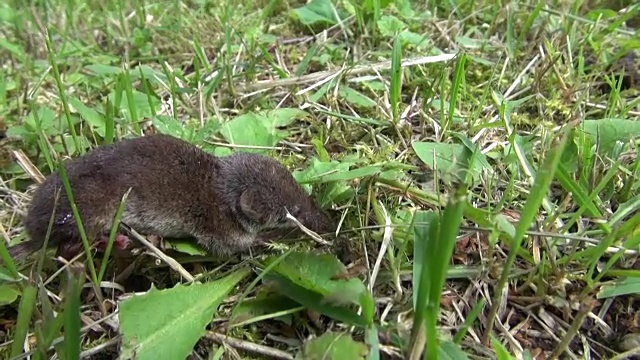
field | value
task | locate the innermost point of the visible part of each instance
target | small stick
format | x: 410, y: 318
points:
x: 312, y: 234
x: 28, y: 166
x: 167, y: 259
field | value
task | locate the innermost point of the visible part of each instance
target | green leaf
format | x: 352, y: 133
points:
x: 6, y: 275
x: 25, y: 310
x: 450, y: 350
x: 369, y: 5
x: 47, y: 119
x: 423, y: 221
x: 275, y: 118
x: 450, y: 159
x: 333, y: 345
x: 355, y: 97
x: 390, y: 25
x: 352, y: 174
x: 210, y: 127
x: 15, y: 49
x: 320, y: 274
x: 168, y: 125
x: 404, y: 8
x: 185, y: 246
x: 315, y: 301
x: 319, y: 170
x: 601, y: 14
x: 71, y: 312
x: 317, y: 12
x: 330, y: 173
x: 91, y: 116
x: 372, y: 340
x: 259, y: 129
x: 265, y: 304
x: 606, y: 132
x: 8, y: 293
x: 501, y: 351
x: 141, y: 102
x: 626, y: 286
x: 166, y: 324
x: 438, y: 245
x: 411, y: 38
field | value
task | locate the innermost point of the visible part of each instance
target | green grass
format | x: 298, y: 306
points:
x: 487, y: 197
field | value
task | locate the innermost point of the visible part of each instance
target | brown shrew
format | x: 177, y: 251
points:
x: 177, y: 190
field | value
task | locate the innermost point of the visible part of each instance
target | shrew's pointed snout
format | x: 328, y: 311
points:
x: 318, y: 221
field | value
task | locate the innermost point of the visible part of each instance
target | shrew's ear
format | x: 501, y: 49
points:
x: 248, y: 202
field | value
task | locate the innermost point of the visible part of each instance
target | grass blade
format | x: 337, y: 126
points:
x: 76, y: 215
x: 75, y: 279
x: 536, y: 197
x: 396, y: 80
x: 112, y: 234
x: 435, y: 259
x: 25, y: 310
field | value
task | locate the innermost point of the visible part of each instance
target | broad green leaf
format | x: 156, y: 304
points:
x: 369, y: 5
x: 91, y: 116
x: 186, y: 246
x: 411, y: 38
x: 332, y: 345
x: 322, y: 172
x: 355, y: 97
x: 404, y: 9
x: 317, y: 12
x: 211, y: 125
x: 7, y: 12
x: 168, y: 125
x: 47, y: 119
x: 450, y: 159
x: 153, y: 75
x: 275, y: 118
x: 166, y: 324
x: 321, y: 274
x: 315, y: 301
x: 8, y: 293
x: 606, y: 132
x: 220, y: 151
x: 258, y: 129
x: 601, y: 14
x: 390, y: 25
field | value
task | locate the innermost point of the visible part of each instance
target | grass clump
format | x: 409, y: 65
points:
x: 480, y: 157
